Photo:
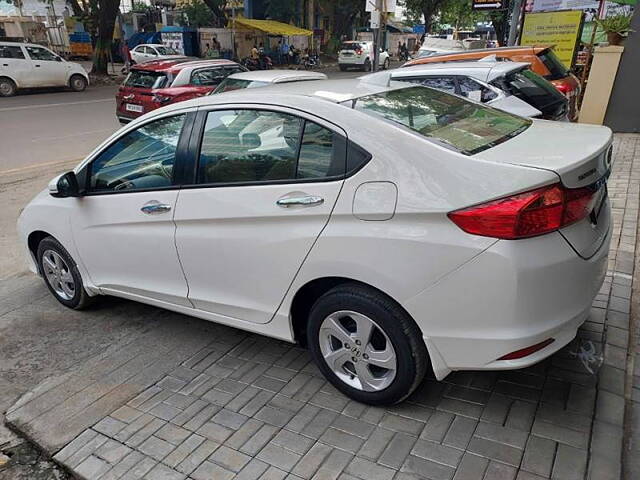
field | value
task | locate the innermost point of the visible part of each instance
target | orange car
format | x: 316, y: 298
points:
x: 542, y: 59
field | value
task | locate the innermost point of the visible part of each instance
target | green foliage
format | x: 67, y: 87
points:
x: 620, y: 24
x: 281, y: 10
x: 459, y: 14
x: 139, y: 7
x: 196, y: 14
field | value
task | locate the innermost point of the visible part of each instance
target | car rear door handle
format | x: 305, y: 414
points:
x: 300, y: 200
x: 155, y: 208
x: 37, y: 66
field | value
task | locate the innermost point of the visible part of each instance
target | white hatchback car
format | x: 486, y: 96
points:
x: 391, y: 229
x: 263, y: 78
x: 27, y: 65
x: 359, y: 54
x: 151, y: 51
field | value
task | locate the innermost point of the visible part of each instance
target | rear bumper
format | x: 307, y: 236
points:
x: 351, y: 60
x: 513, y: 295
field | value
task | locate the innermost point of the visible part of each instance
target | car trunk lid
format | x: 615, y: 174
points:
x: 581, y: 157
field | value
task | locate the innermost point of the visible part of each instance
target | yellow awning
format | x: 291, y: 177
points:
x: 273, y: 27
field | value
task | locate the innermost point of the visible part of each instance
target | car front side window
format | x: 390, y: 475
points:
x: 249, y: 146
x: 140, y: 160
x: 39, y: 53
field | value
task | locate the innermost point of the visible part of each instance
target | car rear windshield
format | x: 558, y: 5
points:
x: 535, y: 90
x: 351, y: 46
x: 556, y: 68
x: 443, y: 118
x: 230, y: 84
x: 146, y: 79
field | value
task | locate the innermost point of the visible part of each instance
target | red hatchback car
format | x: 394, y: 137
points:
x: 158, y: 83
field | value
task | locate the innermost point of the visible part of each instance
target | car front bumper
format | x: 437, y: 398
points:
x: 511, y: 296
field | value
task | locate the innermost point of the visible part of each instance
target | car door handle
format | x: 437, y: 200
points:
x: 38, y: 66
x: 301, y: 200
x: 155, y: 208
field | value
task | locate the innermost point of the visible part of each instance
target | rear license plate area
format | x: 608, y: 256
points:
x: 130, y: 107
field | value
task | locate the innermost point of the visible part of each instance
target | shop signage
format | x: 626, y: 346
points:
x: 561, y: 29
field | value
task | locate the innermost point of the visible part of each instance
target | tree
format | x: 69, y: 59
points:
x: 217, y: 7
x: 197, y: 14
x: 459, y: 14
x: 281, y: 10
x: 428, y: 8
x: 105, y: 13
x: 500, y: 21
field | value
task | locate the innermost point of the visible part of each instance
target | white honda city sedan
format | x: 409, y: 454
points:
x: 391, y: 229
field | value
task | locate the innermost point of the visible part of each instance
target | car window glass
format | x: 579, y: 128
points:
x: 248, y: 146
x: 475, y: 91
x: 39, y: 53
x: 7, y: 51
x: 209, y: 77
x: 152, y: 51
x: 446, y: 84
x: 141, y: 159
x: 316, y: 153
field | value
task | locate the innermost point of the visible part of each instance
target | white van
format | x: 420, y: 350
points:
x: 27, y: 65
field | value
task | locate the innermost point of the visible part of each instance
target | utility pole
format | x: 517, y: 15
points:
x: 378, y: 31
x: 514, y: 26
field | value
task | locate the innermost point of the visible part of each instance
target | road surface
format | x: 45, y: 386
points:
x: 54, y: 126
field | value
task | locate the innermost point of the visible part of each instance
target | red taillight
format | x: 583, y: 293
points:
x: 524, y: 352
x: 563, y: 88
x: 527, y: 214
x: 358, y: 51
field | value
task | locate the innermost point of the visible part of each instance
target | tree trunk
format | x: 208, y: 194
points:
x: 107, y: 13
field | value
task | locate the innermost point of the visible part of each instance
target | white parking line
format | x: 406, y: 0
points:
x: 46, y: 105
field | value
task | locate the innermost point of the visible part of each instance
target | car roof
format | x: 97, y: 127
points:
x: 176, y: 64
x: 295, y: 93
x: 13, y: 44
x: 486, y: 51
x: 494, y: 69
x: 278, y: 76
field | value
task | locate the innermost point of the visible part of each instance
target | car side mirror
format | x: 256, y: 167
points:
x: 65, y: 185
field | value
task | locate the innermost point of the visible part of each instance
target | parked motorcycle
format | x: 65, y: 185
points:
x: 262, y: 63
x: 311, y: 61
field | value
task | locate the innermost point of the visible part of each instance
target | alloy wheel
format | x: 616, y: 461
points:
x: 6, y: 89
x: 358, y: 351
x: 58, y: 274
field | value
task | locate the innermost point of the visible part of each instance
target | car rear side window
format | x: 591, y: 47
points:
x: 142, y: 159
x: 209, y: 77
x: 556, y: 68
x: 446, y: 84
x: 146, y: 79
x: 258, y: 146
x: 7, y: 51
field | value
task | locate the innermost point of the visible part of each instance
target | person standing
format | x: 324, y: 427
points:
x: 284, y: 51
x: 125, y: 53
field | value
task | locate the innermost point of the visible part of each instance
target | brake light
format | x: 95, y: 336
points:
x: 358, y: 51
x: 563, y: 88
x: 527, y: 214
x: 160, y: 98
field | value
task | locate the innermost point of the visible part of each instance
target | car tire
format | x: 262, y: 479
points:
x: 336, y: 321
x: 367, y: 65
x: 342, y: 68
x: 77, y: 83
x: 386, y: 64
x: 61, y: 274
x: 7, y: 87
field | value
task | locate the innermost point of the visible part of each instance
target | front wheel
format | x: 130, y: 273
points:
x: 7, y: 87
x: 61, y: 274
x: 366, y: 345
x: 77, y: 83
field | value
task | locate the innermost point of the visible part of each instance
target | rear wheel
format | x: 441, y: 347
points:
x: 342, y: 68
x: 366, y: 345
x: 7, y: 87
x: 77, y: 83
x: 367, y: 65
x: 61, y: 274
x: 386, y: 63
